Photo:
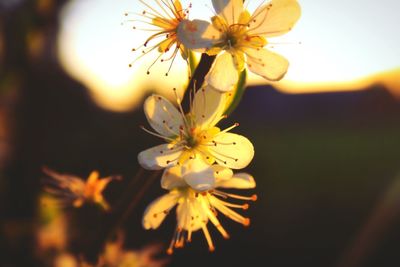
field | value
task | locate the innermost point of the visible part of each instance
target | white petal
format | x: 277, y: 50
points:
x: 162, y: 115
x: 221, y: 173
x: 198, y: 174
x: 208, y: 107
x: 223, y: 75
x: 238, y: 181
x: 267, y: 64
x: 159, y: 157
x: 275, y: 19
x: 172, y: 178
x: 232, y: 150
x: 198, y: 35
x: 158, y: 209
x: 230, y: 10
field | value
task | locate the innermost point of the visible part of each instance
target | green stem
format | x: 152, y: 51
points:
x: 238, y: 92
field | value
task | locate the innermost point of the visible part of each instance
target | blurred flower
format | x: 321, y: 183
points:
x: 239, y: 39
x: 193, y: 137
x: 116, y: 256
x: 72, y: 190
x: 163, y: 19
x: 52, y: 230
x: 66, y: 260
x: 194, y: 209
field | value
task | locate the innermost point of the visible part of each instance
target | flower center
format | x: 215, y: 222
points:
x: 235, y: 33
x: 231, y: 39
x: 191, y: 141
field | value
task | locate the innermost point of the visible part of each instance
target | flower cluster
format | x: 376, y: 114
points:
x: 198, y: 158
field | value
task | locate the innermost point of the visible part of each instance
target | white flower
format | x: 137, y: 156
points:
x: 162, y: 19
x: 195, y: 209
x: 193, y: 139
x: 239, y: 39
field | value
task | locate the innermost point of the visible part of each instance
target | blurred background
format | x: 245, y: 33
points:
x: 326, y: 137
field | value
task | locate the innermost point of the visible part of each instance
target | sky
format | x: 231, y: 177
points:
x: 334, y: 46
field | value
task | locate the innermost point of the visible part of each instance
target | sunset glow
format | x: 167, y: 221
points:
x: 335, y: 45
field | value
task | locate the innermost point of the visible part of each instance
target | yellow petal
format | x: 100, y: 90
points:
x: 267, y: 64
x: 166, y: 45
x: 172, y: 178
x: 158, y: 209
x: 162, y: 115
x: 238, y: 59
x: 163, y: 23
x: 159, y: 157
x: 94, y: 175
x: 221, y: 174
x: 213, y: 51
x: 238, y: 181
x: 219, y: 23
x: 223, y: 75
x: 275, y: 19
x: 208, y: 107
x: 232, y: 150
x: 255, y: 41
x: 244, y: 17
x: 230, y: 10
x: 178, y: 8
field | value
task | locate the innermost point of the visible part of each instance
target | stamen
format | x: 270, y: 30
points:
x: 152, y: 64
x: 174, y: 54
x: 208, y: 238
x: 156, y: 134
x: 215, y: 220
x: 170, y: 249
x: 152, y: 9
x: 238, y: 206
x: 169, y: 129
x: 226, y: 195
x: 178, y: 101
x: 230, y: 213
x: 229, y: 128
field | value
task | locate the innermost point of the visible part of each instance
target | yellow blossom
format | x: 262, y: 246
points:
x: 195, y: 209
x: 193, y: 140
x: 163, y: 19
x: 73, y: 190
x: 240, y: 38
